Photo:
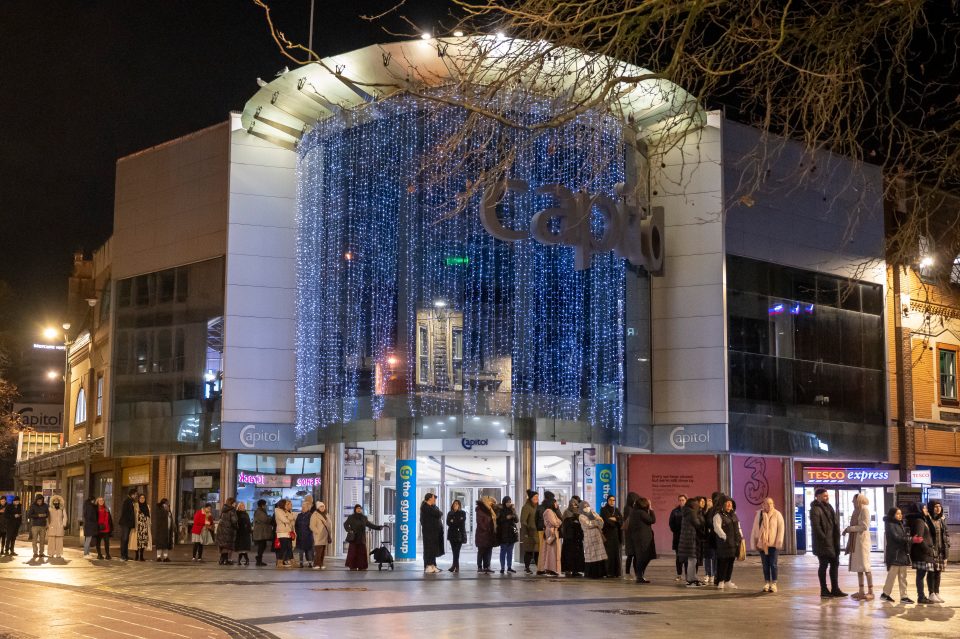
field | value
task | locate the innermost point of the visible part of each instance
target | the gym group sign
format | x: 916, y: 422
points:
x: 406, y: 532
x: 851, y: 476
x: 626, y: 230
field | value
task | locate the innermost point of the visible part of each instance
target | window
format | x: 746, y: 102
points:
x: 423, y: 354
x: 80, y: 415
x: 100, y: 395
x: 456, y: 357
x: 947, y: 370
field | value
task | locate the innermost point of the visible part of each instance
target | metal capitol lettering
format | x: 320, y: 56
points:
x: 468, y: 444
x: 250, y: 436
x: 679, y: 438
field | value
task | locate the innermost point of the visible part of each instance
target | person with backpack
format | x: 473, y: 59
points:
x: 896, y: 555
x: 507, y: 533
x: 456, y: 532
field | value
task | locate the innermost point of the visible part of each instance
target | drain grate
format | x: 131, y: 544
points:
x: 624, y: 611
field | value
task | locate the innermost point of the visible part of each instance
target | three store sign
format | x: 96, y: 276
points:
x: 627, y: 230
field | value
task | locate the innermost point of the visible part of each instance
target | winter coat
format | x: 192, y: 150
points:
x: 729, y: 535
x: 227, y: 529
x: 529, y: 539
x: 164, y: 528
x: 262, y: 525
x: 921, y: 545
x: 941, y: 538
x: 640, y: 531
x: 691, y: 533
x: 593, y: 548
x: 550, y: 550
x: 244, y: 532
x: 549, y: 500
x: 301, y: 526
x: 90, y: 527
x: 285, y: 522
x: 357, y: 524
x: 770, y: 536
x: 13, y: 517
x: 108, y: 523
x: 322, y: 528
x: 128, y: 513
x: 3, y: 519
x: 612, y: 530
x: 485, y: 535
x: 431, y: 527
x: 144, y: 525
x: 199, y: 522
x: 507, y: 526
x: 57, y: 520
x: 676, y: 523
x: 571, y: 553
x: 38, y: 515
x: 859, y: 542
x: 628, y: 507
x: 896, y: 551
x: 457, y: 526
x: 825, y: 527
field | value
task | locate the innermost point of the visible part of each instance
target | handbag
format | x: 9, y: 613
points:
x: 742, y: 552
x: 276, y: 543
x: 351, y: 536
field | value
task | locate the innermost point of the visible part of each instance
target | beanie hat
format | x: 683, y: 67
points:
x: 531, y: 493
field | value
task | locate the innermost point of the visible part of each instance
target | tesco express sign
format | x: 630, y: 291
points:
x: 850, y: 476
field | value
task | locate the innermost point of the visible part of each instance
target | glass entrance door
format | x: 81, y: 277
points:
x: 842, y: 501
x: 468, y: 496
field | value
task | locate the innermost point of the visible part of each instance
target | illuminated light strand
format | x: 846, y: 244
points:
x: 373, y: 247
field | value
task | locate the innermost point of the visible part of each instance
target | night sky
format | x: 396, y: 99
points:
x: 85, y: 82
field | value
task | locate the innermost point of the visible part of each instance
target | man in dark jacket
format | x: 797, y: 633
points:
x: 90, y: 527
x: 39, y: 517
x: 3, y: 524
x: 431, y: 526
x: 676, y: 520
x: 825, y: 526
x: 13, y: 517
x: 128, y: 521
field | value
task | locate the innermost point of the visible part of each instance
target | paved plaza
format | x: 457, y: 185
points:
x: 76, y: 597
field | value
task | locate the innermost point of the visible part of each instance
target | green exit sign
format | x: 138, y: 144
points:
x: 456, y: 260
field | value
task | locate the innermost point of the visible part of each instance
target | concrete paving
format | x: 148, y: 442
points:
x: 78, y: 597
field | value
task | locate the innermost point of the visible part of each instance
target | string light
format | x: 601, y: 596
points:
x: 376, y: 245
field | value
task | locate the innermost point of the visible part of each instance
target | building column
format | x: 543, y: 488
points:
x: 725, y: 470
x: 228, y: 476
x: 524, y: 457
x: 790, y: 531
x: 330, y: 489
x: 623, y: 478
x: 605, y: 453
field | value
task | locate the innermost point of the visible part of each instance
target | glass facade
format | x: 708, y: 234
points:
x: 806, y: 363
x: 273, y: 478
x: 168, y: 361
x: 410, y: 308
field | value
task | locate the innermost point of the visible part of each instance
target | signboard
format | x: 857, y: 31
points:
x: 40, y: 417
x: 606, y: 483
x: 923, y: 477
x: 264, y: 481
x: 50, y: 485
x: 590, y: 476
x: 690, y: 438
x: 351, y: 479
x: 406, y: 524
x: 203, y: 481
x: 851, y: 476
x: 476, y: 444
x: 258, y: 436
x: 135, y: 475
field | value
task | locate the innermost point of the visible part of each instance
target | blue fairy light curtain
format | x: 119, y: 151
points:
x: 407, y: 306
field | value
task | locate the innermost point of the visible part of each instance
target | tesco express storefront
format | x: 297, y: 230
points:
x: 449, y: 341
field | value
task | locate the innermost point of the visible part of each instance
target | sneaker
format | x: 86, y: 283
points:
x: 838, y: 593
x: 826, y: 594
x: 906, y: 600
x: 923, y: 600
x: 720, y: 586
x: 317, y: 568
x: 730, y: 584
x: 934, y: 597
x: 766, y: 587
x: 885, y: 597
x: 694, y: 584
x: 773, y: 587
x: 678, y: 579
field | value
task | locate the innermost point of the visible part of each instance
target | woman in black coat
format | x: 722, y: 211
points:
x: 507, y: 535
x: 163, y: 530
x: 612, y: 535
x: 640, y: 528
x: 896, y: 555
x: 90, y: 526
x: 691, y: 534
x: 244, y: 534
x: 356, y: 526
x: 431, y: 526
x: 485, y: 536
x: 456, y: 531
x: 726, y: 527
x: 923, y: 554
x: 571, y: 552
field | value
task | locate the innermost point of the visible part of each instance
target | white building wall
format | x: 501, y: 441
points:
x: 259, y: 352
x: 820, y: 213
x: 687, y: 303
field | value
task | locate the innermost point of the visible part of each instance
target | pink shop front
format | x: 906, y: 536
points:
x: 276, y: 477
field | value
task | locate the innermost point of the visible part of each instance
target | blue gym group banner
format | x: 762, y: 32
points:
x: 406, y: 526
x: 606, y: 483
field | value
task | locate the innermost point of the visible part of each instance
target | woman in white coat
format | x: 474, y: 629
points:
x: 55, y: 525
x: 859, y: 544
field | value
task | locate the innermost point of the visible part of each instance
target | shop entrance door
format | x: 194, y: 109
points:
x: 562, y: 492
x: 468, y: 496
x: 842, y: 501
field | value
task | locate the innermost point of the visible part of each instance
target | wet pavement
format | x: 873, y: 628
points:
x: 77, y: 597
